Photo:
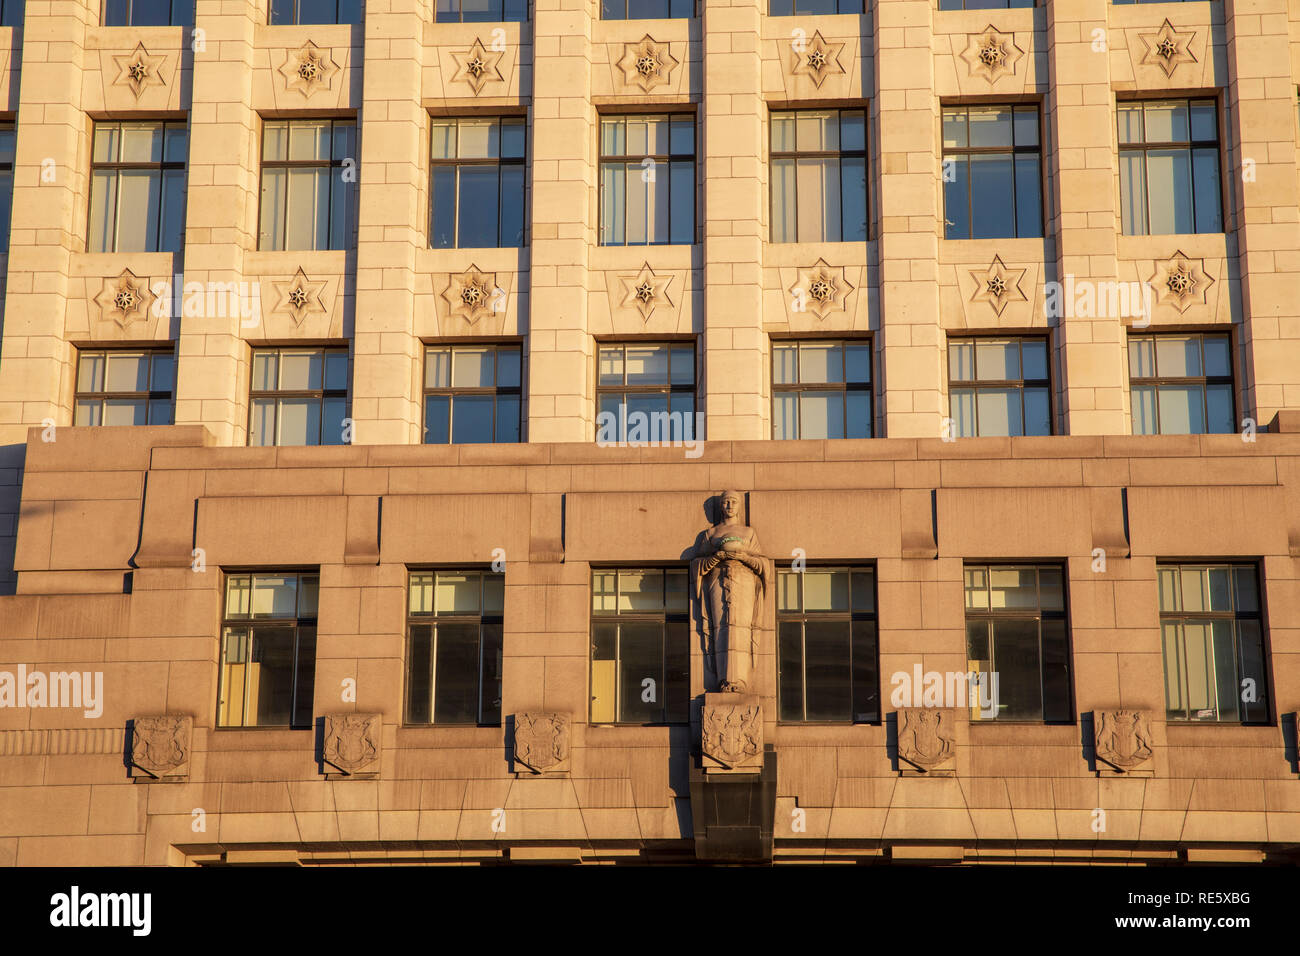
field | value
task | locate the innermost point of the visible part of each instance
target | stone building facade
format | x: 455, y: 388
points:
x: 136, y: 554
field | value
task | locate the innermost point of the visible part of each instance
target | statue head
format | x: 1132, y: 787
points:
x: 731, y: 505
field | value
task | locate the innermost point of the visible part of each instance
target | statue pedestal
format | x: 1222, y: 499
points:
x: 731, y: 731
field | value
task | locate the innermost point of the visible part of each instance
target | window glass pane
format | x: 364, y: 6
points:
x: 142, y: 142
x: 1178, y: 356
x: 513, y: 133
x: 647, y: 365
x: 1166, y: 122
x: 127, y: 372
x: 682, y: 193
x: 471, y: 419
x: 1170, y: 192
x: 956, y: 197
x: 456, y: 672
x: 864, y: 591
x: 1056, y: 671
x: 333, y: 413
x: 271, y: 672
x: 857, y: 363
x: 479, y: 194
x: 172, y: 231
x: 641, y: 659
x: 160, y: 412
x: 977, y: 588
x: 126, y: 412
x: 825, y: 590
x: 420, y: 587
x: 1220, y: 589
x: 1216, y: 355
x: 790, y: 664
x: 990, y: 126
x: 1144, y: 411
x: 1012, y: 588
x: 954, y: 127
x: 472, y: 367
x: 787, y: 591
x: 1019, y: 668
x: 456, y: 593
x: 1204, y: 121
x: 1026, y: 126
x: 961, y: 406
x: 1033, y: 354
x: 307, y: 222
x: 298, y: 422
x: 443, y: 213
x: 108, y: 140
x: 139, y: 201
x: 1218, y: 405
x: 1169, y: 589
x: 239, y: 591
x: 90, y: 372
x: 444, y: 139
x: 992, y: 188
x: 512, y: 207
x: 821, y: 415
x: 1029, y: 197
x: 784, y: 206
x: 275, y: 191
x: 604, y: 591
x: 261, y: 427
x: 819, y: 200
x: 1175, y: 676
x: 507, y: 421
x: 857, y: 421
x: 676, y: 599
x: 1181, y: 410
x: 1205, y: 170
x: 784, y: 367
x: 640, y: 590
x: 437, y: 420
x: 1130, y: 122
x: 275, y: 595
x: 336, y: 370
x: 1199, y: 665
x: 437, y: 368
x: 1244, y: 585
x: 1141, y: 358
x: 1038, y: 415
x: 817, y: 130
x: 309, y: 139
x: 1251, y: 667
x: 785, y: 416
x: 419, y: 674
x: 961, y: 361
x: 999, y: 411
x: 610, y: 364
x: 1193, y: 589
x: 300, y: 370
x: 852, y: 130
x: 821, y: 362
x: 682, y: 371
x: 829, y: 678
x: 853, y: 200
x: 508, y: 368
x: 783, y: 132
x: 997, y: 360
x: 1133, y: 193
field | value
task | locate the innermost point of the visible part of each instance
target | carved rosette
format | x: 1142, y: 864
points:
x: 998, y: 286
x: 647, y: 63
x: 926, y: 739
x: 817, y: 60
x: 1180, y: 282
x: 472, y: 294
x: 139, y: 71
x: 541, y: 743
x: 820, y: 289
x: 299, y: 297
x: 352, y: 745
x: 645, y: 292
x: 308, y: 69
x: 992, y: 54
x: 160, y: 748
x: 125, y: 299
x: 731, y: 728
x: 1123, y: 740
x: 1167, y: 48
x: 478, y: 66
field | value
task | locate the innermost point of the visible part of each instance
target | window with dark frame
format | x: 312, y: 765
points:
x: 1016, y: 634
x: 7, y: 134
x: 647, y: 179
x: 646, y: 385
x: 142, y: 13
x: 999, y: 386
x: 481, y: 11
x: 124, y: 386
x: 309, y: 184
x: 268, y: 650
x: 454, y: 647
x: 12, y: 13
x: 819, y: 176
x: 984, y: 4
x: 646, y: 9
x: 992, y: 172
x: 472, y: 393
x: 828, y: 657
x: 640, y: 646
x: 1181, y: 383
x: 137, y: 187
x: 821, y: 388
x: 477, y: 191
x: 1169, y: 167
x: 1213, y: 643
x: 311, y: 12
x: 813, y: 8
x: 299, y: 396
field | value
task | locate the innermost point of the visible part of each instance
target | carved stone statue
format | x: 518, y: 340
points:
x: 730, y: 579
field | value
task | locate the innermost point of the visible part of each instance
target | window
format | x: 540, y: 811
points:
x: 137, y: 187
x: 471, y: 394
x: 309, y: 184
x: 1181, y: 384
x: 640, y: 646
x: 124, y: 387
x: 827, y: 656
x: 647, y: 180
x: 268, y: 650
x: 992, y: 174
x: 646, y: 9
x: 999, y: 387
x: 983, y: 4
x: 6, y: 180
x: 1213, y: 643
x: 1169, y: 167
x: 481, y: 11
x: 11, y: 12
x: 299, y: 396
x: 315, y: 11
x: 802, y: 8
x: 819, y: 176
x: 1015, y: 631
x: 453, y: 658
x: 821, y: 389
x: 478, y: 183
x: 144, y: 13
x: 642, y: 388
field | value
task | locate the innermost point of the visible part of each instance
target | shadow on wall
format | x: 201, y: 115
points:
x: 12, y: 458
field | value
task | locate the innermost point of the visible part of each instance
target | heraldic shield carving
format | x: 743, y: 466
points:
x: 1123, y: 739
x: 352, y: 744
x: 541, y: 743
x: 160, y: 747
x: 731, y: 727
x: 925, y: 738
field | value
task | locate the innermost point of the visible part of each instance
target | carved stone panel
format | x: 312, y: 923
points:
x: 1123, y: 741
x: 160, y: 748
x: 926, y: 740
x: 731, y: 727
x: 352, y: 745
x: 541, y: 743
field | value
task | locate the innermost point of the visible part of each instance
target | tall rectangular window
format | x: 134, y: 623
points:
x: 1169, y: 167
x: 1181, y: 384
x: 481, y: 11
x: 6, y: 181
x: 640, y: 646
x: 309, y: 184
x: 821, y: 389
x: 999, y: 386
x: 992, y: 172
x: 306, y: 12
x: 646, y: 9
x: 453, y: 658
x: 124, y: 387
x: 142, y: 13
x: 478, y: 182
x: 299, y: 396
x: 471, y: 394
x: 1015, y: 631
x: 1211, y: 628
x: 11, y: 12
x: 646, y: 391
x: 828, y: 660
x: 819, y: 176
x: 137, y: 187
x: 647, y: 180
x: 268, y: 650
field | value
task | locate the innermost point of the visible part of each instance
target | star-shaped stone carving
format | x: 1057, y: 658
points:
x: 477, y: 66
x: 308, y: 69
x: 471, y: 294
x: 125, y: 299
x: 992, y: 54
x: 1167, y: 48
x: 139, y: 70
x: 1180, y: 282
x: 647, y: 63
x: 299, y: 297
x: 998, y: 286
x: 645, y: 291
x: 821, y: 289
x: 818, y: 59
